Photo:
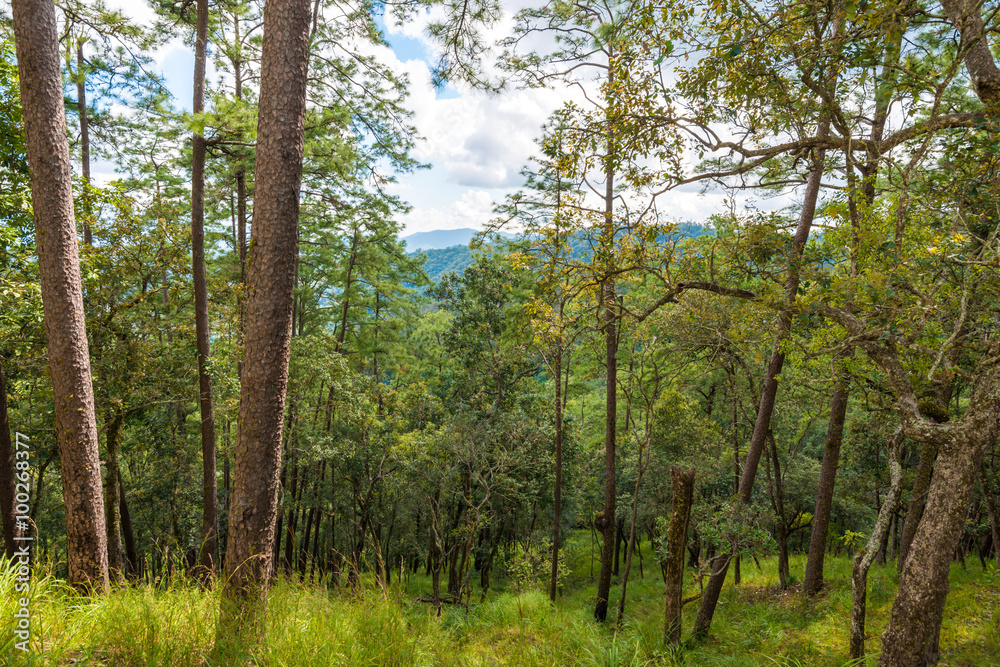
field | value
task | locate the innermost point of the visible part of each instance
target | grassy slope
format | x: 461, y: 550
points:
x: 173, y: 624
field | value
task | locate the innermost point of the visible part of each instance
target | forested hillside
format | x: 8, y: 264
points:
x: 244, y: 424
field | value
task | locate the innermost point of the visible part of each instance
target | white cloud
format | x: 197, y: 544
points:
x: 473, y: 208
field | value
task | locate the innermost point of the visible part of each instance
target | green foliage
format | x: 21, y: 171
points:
x: 735, y: 528
x: 172, y: 625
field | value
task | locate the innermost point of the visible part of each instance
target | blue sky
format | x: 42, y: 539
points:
x: 475, y: 144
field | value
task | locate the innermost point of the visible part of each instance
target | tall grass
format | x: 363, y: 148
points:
x: 172, y: 623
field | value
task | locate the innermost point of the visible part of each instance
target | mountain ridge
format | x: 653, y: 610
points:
x: 440, y: 239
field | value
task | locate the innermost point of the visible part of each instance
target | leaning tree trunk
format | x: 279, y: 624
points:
x: 863, y: 560
x: 62, y: 292
x: 210, y: 503
x: 676, y: 543
x: 271, y: 278
x: 762, y: 425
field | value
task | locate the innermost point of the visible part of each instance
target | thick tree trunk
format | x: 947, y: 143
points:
x: 62, y: 292
x: 911, y: 638
x: 813, y: 581
x: 918, y: 497
x: 271, y: 276
x: 210, y: 504
x: 7, y: 472
x: 676, y: 543
x: 863, y: 560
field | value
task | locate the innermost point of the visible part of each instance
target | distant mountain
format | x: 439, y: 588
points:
x: 443, y: 260
x: 457, y: 256
x: 440, y: 239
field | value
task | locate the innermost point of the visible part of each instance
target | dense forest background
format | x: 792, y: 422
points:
x: 785, y: 381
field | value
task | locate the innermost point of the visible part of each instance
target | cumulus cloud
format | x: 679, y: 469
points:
x: 473, y: 209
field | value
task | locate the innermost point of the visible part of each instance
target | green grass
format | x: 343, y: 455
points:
x: 173, y: 624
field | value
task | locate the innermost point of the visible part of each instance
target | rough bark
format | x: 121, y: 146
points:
x: 966, y: 16
x: 813, y: 581
x: 210, y: 503
x: 270, y: 278
x: 911, y: 638
x: 677, y: 542
x: 62, y: 292
x: 7, y: 480
x: 918, y: 498
x: 863, y: 560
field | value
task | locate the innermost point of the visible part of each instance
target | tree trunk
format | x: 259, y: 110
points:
x: 863, y: 560
x: 813, y: 581
x: 630, y: 548
x: 619, y: 538
x: 318, y: 507
x: 210, y: 504
x: 762, y: 424
x: 781, y: 521
x: 292, y: 514
x: 116, y: 552
x: 62, y: 292
x: 557, y: 500
x: 81, y: 105
x: 676, y: 543
x: 911, y: 638
x: 607, y: 517
x: 241, y: 214
x: 992, y: 509
x: 918, y: 497
x: 310, y: 518
x: 271, y: 276
x: 7, y: 473
x: 131, y: 562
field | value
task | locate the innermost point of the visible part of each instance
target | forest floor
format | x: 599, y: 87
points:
x: 173, y: 623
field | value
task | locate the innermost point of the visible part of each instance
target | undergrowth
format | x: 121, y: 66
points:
x: 172, y: 623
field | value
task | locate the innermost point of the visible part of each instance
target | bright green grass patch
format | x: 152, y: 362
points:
x: 173, y: 624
